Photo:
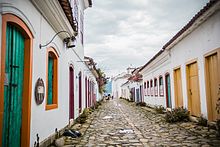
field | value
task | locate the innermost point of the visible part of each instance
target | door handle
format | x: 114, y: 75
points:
x: 13, y: 85
x: 14, y: 66
x: 190, y: 91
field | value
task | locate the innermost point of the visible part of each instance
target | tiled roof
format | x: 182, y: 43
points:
x: 190, y: 23
x: 210, y: 4
x: 65, y: 4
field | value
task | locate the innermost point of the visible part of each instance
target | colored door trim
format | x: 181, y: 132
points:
x: 26, y: 103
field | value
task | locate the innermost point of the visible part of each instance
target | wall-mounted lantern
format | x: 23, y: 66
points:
x: 39, y: 91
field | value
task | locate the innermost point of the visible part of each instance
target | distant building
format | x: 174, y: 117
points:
x: 108, y: 87
x: 133, y: 87
x: 118, y: 80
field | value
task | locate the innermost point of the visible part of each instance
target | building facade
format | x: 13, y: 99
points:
x: 185, y: 72
x: 45, y: 82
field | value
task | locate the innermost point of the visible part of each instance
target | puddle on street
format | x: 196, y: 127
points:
x: 117, y: 104
x: 107, y: 117
x: 126, y: 131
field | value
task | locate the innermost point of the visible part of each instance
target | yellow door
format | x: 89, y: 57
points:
x: 212, y: 84
x: 178, y: 88
x: 193, y: 90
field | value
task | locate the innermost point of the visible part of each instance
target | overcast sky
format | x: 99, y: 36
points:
x: 121, y: 33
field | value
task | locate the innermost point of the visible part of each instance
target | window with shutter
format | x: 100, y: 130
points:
x: 52, y: 79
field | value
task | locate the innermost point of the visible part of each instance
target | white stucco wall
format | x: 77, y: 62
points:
x: 126, y: 91
x: 116, y: 86
x: 201, y: 41
x: 159, y: 67
x: 44, y: 122
x: 194, y: 46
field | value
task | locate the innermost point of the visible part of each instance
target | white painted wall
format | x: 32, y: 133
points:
x: 126, y: 91
x: 159, y: 67
x: 201, y: 41
x: 116, y: 85
x: 44, y: 122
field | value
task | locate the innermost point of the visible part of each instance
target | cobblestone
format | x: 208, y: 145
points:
x: 120, y: 123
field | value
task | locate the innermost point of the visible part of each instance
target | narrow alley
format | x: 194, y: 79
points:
x: 121, y: 123
x: 91, y: 73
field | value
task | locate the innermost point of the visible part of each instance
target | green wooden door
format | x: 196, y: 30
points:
x: 13, y: 87
x: 168, y: 91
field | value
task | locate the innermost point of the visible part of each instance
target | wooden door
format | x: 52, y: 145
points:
x: 168, y: 91
x: 212, y: 84
x: 193, y: 89
x: 71, y: 93
x: 13, y: 87
x: 178, y: 88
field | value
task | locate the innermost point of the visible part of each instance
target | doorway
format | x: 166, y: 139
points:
x: 193, y: 89
x: 178, y: 88
x: 71, y: 92
x: 16, y: 82
x: 212, y: 66
x: 168, y: 91
x: 80, y: 92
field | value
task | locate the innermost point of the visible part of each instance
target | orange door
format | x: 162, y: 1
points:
x: 178, y: 88
x: 212, y: 84
x: 193, y: 89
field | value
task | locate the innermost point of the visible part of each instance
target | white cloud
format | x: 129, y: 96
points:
x: 123, y: 32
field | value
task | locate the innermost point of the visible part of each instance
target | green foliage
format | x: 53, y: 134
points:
x: 218, y: 105
x: 81, y: 119
x: 102, y: 81
x: 218, y: 111
x: 202, y: 121
x: 177, y: 115
x: 159, y: 109
x: 142, y: 104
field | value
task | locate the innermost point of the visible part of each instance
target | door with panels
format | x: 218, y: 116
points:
x: 178, y: 88
x: 168, y: 91
x: 13, y: 88
x: 212, y: 70
x: 194, y: 104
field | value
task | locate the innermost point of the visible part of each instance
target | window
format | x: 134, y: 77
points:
x: 52, y: 79
x: 151, y: 88
x: 161, y: 85
x: 155, y: 87
x: 145, y: 86
x: 148, y: 93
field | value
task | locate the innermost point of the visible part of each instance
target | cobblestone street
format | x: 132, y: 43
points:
x: 120, y: 123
